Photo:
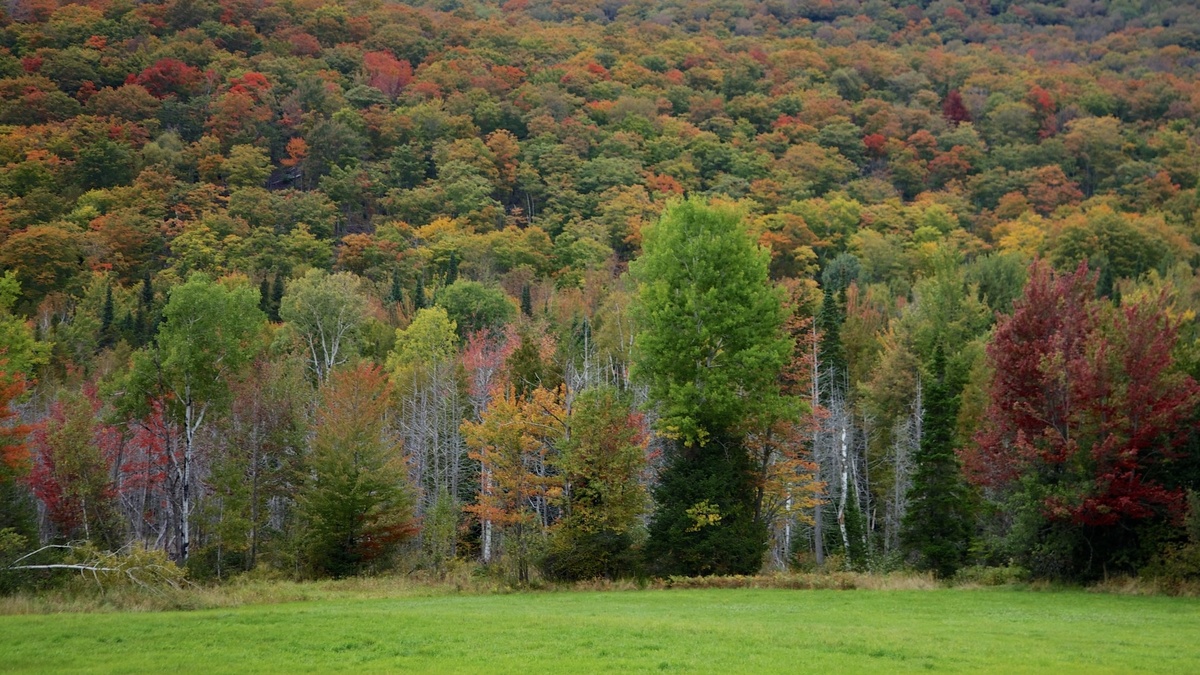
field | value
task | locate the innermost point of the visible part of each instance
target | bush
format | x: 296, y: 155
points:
x: 992, y: 576
x: 12, y: 545
x: 579, y: 556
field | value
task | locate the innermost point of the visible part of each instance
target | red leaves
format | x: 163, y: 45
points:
x: 14, y: 455
x: 953, y: 108
x: 168, y: 76
x: 1086, y: 397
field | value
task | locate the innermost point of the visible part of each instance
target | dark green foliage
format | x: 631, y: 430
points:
x: 937, y: 526
x: 277, y: 288
x: 419, y: 301
x: 829, y: 322
x: 264, y: 297
x: 106, y: 319
x: 396, y: 293
x: 527, y: 370
x: 526, y: 301
x: 575, y: 556
x: 704, y: 520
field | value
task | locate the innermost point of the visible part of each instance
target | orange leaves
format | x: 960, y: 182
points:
x: 387, y: 73
x: 297, y: 149
x: 513, y: 441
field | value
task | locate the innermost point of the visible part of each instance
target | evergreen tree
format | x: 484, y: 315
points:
x: 147, y: 314
x: 141, y: 332
x: 276, y: 298
x: 526, y: 301
x: 419, y: 294
x: 356, y: 504
x: 396, y: 294
x: 704, y: 519
x: 147, y: 296
x: 937, y: 524
x: 106, y: 318
x: 829, y: 322
x: 264, y: 297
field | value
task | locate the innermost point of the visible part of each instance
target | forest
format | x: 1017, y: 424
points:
x: 564, y: 289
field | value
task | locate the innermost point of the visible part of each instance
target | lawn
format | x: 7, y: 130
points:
x: 747, y: 630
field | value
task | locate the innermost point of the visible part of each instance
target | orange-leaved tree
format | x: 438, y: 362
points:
x: 515, y: 441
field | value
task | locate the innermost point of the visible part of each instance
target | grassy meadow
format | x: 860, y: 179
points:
x: 703, y: 630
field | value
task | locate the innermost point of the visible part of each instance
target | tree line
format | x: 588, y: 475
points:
x: 974, y: 342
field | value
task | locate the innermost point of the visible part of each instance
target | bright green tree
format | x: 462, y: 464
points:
x: 710, y: 349
x: 326, y: 312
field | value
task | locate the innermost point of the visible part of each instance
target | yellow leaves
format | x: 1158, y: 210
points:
x: 702, y: 515
x: 1026, y: 235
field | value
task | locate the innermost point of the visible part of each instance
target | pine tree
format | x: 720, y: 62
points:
x: 419, y: 294
x: 276, y: 298
x: 396, y: 294
x: 106, y: 318
x: 829, y: 322
x: 526, y: 301
x: 356, y: 505
x: 264, y: 296
x: 937, y: 524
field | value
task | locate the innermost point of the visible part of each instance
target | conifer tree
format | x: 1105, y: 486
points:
x: 937, y: 525
x: 419, y: 294
x: 277, y: 288
x: 526, y: 301
x: 106, y: 318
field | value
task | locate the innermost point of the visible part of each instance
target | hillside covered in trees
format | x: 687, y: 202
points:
x: 595, y: 289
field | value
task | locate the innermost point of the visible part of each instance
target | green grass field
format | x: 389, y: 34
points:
x: 673, y: 630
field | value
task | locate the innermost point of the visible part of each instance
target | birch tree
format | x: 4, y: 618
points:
x: 326, y: 312
x: 424, y: 370
x: 210, y: 334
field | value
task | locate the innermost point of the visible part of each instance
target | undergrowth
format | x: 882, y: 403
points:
x: 83, y: 594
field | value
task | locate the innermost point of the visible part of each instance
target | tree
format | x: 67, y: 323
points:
x: 473, y: 306
x: 210, y: 333
x: 71, y: 476
x: 711, y: 345
x: 387, y: 73
x: 1088, y: 415
x: 602, y: 464
x: 424, y: 372
x: 254, y: 470
x: 937, y: 523
x: 710, y: 349
x: 45, y: 259
x: 16, y: 514
x: 326, y: 312
x: 20, y: 351
x: 355, y: 503
x: 515, y: 440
